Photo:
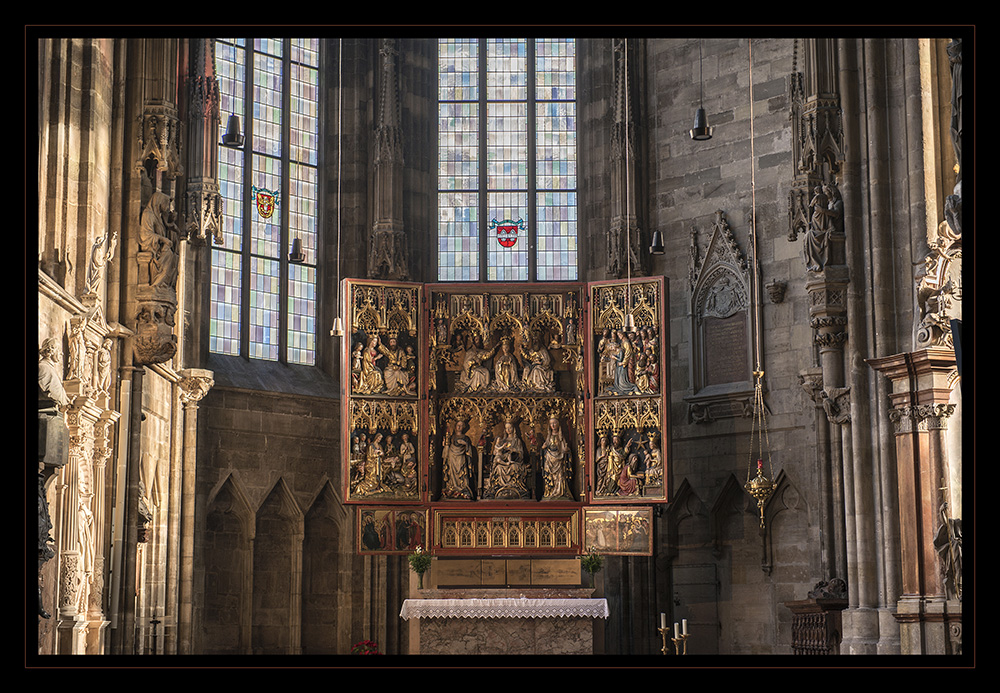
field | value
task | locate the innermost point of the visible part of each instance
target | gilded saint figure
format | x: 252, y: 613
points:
x: 474, y: 376
x: 396, y: 373
x: 509, y: 470
x: 505, y: 368
x: 371, y: 475
x: 538, y: 375
x: 458, y: 466
x: 557, y: 464
x: 370, y: 379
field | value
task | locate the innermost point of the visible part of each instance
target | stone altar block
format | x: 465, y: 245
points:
x: 554, y: 624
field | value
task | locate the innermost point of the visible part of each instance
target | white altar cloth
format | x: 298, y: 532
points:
x: 504, y: 608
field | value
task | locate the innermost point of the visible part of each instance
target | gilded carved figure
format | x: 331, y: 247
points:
x: 538, y: 375
x: 475, y: 376
x: 509, y: 469
x: 396, y: 374
x: 370, y: 378
x: 371, y: 476
x: 458, y: 450
x: 505, y: 368
x: 557, y: 463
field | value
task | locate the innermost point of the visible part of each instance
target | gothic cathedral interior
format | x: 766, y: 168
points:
x: 411, y: 346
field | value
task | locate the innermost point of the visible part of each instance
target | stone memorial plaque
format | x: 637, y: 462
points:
x: 726, y: 350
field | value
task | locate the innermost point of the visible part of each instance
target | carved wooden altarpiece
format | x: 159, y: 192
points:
x: 502, y: 411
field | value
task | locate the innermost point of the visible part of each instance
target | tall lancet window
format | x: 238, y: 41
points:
x: 507, y: 160
x: 263, y: 302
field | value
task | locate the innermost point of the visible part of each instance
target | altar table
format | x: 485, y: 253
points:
x: 505, y: 626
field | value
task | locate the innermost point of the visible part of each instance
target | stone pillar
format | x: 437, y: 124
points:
x: 194, y: 384
x: 929, y: 613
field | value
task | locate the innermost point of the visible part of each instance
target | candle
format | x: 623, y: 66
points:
x: 684, y: 626
x: 676, y: 629
x: 663, y: 620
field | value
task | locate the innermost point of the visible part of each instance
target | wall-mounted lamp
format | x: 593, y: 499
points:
x: 701, y: 129
x: 233, y: 136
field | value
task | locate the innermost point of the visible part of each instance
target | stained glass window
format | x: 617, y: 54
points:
x: 507, y: 160
x: 263, y: 305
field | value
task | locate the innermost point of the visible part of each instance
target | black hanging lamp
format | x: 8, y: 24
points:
x: 701, y: 130
x: 233, y: 136
x: 656, y: 247
x: 296, y: 257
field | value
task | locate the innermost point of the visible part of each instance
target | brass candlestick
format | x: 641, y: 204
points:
x: 663, y: 634
x: 680, y: 644
x: 680, y: 636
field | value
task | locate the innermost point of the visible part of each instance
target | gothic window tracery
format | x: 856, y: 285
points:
x: 263, y: 302
x: 507, y: 160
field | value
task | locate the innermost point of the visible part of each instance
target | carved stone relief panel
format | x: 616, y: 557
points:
x: 722, y: 330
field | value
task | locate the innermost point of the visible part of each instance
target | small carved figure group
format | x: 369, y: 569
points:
x: 624, y: 468
x: 380, y: 466
x: 528, y: 369
x: 628, y: 362
x: 509, y: 464
x: 397, y: 376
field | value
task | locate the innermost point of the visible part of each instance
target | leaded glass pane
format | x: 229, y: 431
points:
x: 507, y: 146
x: 458, y: 146
x: 458, y: 236
x: 304, y: 115
x: 555, y: 75
x: 265, y: 231
x: 301, y: 314
x: 507, y: 70
x: 224, y: 328
x: 507, y: 263
x: 506, y: 163
x: 557, y: 234
x: 458, y: 70
x: 243, y: 184
x: 302, y: 208
x: 267, y: 105
x: 264, y: 308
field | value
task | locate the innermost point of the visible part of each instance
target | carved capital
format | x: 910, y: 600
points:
x: 194, y: 385
x: 903, y: 419
x: 933, y: 417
